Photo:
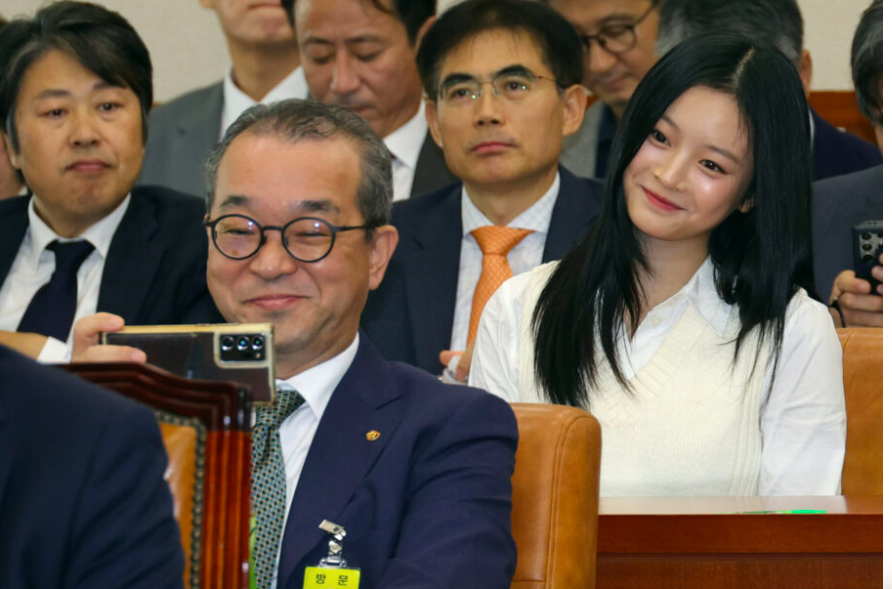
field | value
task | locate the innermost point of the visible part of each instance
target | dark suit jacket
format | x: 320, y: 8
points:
x: 837, y: 153
x: 83, y: 502
x: 410, y: 316
x: 182, y: 133
x: 431, y: 171
x: 428, y: 504
x: 839, y: 203
x: 155, y: 270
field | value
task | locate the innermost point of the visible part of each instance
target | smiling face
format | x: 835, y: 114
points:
x: 315, y: 307
x: 692, y: 171
x: 80, y: 142
x: 357, y: 56
x: 253, y: 22
x: 613, y: 77
x: 495, y: 140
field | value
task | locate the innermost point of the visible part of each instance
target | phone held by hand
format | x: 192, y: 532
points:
x: 867, y: 239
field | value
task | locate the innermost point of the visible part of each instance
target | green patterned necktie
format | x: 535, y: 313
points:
x: 268, y: 489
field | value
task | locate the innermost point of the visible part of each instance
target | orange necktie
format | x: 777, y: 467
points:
x: 495, y: 242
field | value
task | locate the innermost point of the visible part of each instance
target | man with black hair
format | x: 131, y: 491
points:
x: 502, y: 79
x: 778, y: 23
x: 10, y: 182
x: 265, y: 68
x: 360, y: 54
x: 844, y: 201
x: 75, y: 87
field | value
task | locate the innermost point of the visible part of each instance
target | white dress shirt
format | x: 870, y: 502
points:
x: 296, y: 433
x: 34, y: 266
x: 235, y: 102
x: 405, y: 146
x: 802, y: 419
x: 525, y: 256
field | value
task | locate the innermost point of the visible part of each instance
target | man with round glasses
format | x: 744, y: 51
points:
x: 620, y: 48
x: 502, y: 81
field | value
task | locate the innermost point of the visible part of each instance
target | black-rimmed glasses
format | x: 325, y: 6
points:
x: 617, y: 38
x: 307, y: 239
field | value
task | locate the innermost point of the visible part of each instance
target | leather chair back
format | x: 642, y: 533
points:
x: 205, y: 432
x: 555, y: 514
x: 862, y: 471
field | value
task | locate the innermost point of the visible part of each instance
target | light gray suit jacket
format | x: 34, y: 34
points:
x: 580, y: 150
x: 182, y: 133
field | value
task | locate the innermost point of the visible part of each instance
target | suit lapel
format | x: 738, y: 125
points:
x: 575, y: 208
x: 432, y: 279
x: 14, y: 223
x: 340, y: 456
x: 132, y: 262
x: 431, y: 171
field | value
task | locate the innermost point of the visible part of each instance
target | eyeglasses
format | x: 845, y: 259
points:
x: 617, y: 38
x: 307, y: 239
x: 514, y: 87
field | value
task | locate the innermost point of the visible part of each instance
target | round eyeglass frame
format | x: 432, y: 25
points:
x: 335, y: 229
x: 602, y: 42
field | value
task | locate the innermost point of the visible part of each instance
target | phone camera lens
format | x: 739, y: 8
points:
x: 867, y: 247
x: 257, y: 343
x: 227, y: 342
x: 867, y: 257
x: 866, y: 236
x: 243, y: 342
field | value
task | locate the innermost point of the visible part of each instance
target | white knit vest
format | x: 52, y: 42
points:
x: 690, y: 427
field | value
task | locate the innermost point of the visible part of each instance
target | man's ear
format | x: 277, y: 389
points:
x: 805, y: 70
x: 433, y: 123
x: 422, y: 31
x: 574, y: 102
x: 10, y: 152
x: 381, y: 249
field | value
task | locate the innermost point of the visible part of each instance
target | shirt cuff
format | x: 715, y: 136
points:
x: 54, y: 352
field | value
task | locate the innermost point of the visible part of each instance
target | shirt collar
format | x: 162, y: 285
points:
x: 99, y: 234
x: 536, y: 217
x: 317, y: 384
x: 405, y: 143
x: 235, y: 102
x: 700, y: 292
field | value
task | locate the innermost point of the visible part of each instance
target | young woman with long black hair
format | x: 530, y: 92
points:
x: 682, y: 320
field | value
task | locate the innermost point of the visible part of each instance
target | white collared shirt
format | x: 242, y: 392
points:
x: 34, y: 266
x: 296, y: 433
x: 525, y: 256
x: 405, y: 146
x: 235, y: 102
x: 808, y: 381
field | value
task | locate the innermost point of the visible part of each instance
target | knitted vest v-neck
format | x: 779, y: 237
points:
x: 690, y: 426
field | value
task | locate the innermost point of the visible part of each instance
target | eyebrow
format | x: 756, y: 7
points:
x: 308, y: 206
x: 509, y: 70
x: 710, y: 146
x: 368, y: 38
x: 62, y: 93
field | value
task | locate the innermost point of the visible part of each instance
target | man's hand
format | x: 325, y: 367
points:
x: 85, y: 342
x: 858, y: 307
x: 461, y: 370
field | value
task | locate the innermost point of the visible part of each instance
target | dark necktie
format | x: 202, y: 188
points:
x: 52, y: 309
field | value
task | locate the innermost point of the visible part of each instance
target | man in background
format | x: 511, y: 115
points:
x: 503, y: 86
x: 360, y: 54
x: 778, y: 23
x: 619, y: 38
x: 845, y: 201
x: 10, y: 181
x: 265, y: 68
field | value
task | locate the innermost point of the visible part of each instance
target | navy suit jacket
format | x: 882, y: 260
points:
x: 840, y: 203
x: 836, y: 152
x: 155, y: 270
x: 427, y: 505
x: 83, y: 501
x: 409, y: 317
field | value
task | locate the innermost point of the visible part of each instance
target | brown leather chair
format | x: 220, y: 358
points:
x: 555, y: 514
x: 205, y: 429
x: 862, y: 371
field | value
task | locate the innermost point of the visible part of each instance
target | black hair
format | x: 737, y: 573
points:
x: 412, y: 13
x: 867, y: 62
x: 774, y: 22
x: 561, y: 47
x: 761, y: 257
x: 99, y: 39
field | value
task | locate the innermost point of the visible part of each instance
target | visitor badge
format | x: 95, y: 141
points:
x: 332, y: 572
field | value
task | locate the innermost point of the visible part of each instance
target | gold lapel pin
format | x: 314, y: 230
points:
x: 373, y: 435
